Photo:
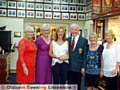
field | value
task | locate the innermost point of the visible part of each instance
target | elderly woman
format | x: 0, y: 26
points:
x: 59, y: 53
x: 26, y: 58
x: 43, y: 62
x: 93, y: 66
x: 111, y: 58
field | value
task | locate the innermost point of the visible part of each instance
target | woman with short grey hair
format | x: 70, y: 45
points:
x: 26, y: 57
x: 43, y: 60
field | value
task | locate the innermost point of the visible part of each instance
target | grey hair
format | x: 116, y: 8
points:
x: 74, y: 24
x: 29, y: 28
x: 45, y: 26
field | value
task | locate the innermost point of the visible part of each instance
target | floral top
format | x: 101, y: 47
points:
x: 94, y: 60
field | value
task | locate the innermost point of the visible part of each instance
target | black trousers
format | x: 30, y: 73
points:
x: 111, y: 82
x: 74, y: 78
x: 60, y: 73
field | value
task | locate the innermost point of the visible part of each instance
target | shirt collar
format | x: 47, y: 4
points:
x: 76, y: 37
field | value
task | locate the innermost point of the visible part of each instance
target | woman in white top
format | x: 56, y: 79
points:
x: 111, y: 60
x: 59, y: 53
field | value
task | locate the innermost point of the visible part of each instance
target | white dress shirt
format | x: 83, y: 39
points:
x: 76, y: 39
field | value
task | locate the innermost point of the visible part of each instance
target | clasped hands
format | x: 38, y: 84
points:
x: 62, y: 58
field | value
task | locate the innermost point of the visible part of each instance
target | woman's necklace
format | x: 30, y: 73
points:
x: 60, y: 42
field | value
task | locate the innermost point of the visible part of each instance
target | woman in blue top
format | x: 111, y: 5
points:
x: 93, y: 63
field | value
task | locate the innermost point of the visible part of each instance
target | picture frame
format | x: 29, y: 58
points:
x: 39, y: 6
x: 48, y: 7
x: 88, y: 8
x: 30, y: 0
x: 30, y: 6
x: 88, y: 16
x: 48, y: 15
x: 56, y: 15
x: 56, y: 7
x: 81, y: 2
x: 30, y: 14
x: 88, y: 1
x: 72, y: 1
x: 99, y: 29
x: 20, y: 5
x: 81, y: 16
x: 80, y: 8
x: 17, y: 34
x: 48, y: 1
x: 39, y: 0
x: 65, y: 15
x: 12, y: 13
x: 72, y: 8
x: 11, y: 4
x: 64, y: 1
x: 3, y: 4
x: 96, y: 9
x: 73, y: 16
x: 64, y: 8
x: 2, y: 12
x: 56, y: 1
x: 20, y: 13
x: 39, y: 14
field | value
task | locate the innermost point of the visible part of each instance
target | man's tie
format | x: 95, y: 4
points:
x: 73, y: 43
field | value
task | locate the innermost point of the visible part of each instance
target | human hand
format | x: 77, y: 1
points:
x: 61, y: 58
x: 25, y: 70
x: 114, y: 71
x: 83, y: 71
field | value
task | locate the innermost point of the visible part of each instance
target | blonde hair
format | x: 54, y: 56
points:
x: 93, y: 34
x: 29, y: 28
x: 110, y: 32
x: 56, y: 36
x: 45, y: 27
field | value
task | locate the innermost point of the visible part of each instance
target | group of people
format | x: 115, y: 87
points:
x: 68, y: 59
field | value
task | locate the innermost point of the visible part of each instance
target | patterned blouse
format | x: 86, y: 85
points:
x: 94, y: 60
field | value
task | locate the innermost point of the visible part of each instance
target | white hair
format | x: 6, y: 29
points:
x: 74, y: 24
x: 45, y: 26
x: 29, y: 28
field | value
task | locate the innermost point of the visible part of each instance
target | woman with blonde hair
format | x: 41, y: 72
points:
x: 93, y: 63
x: 26, y: 58
x: 59, y: 53
x: 111, y: 60
x: 43, y: 60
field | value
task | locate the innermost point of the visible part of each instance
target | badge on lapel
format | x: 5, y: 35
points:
x: 80, y: 50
